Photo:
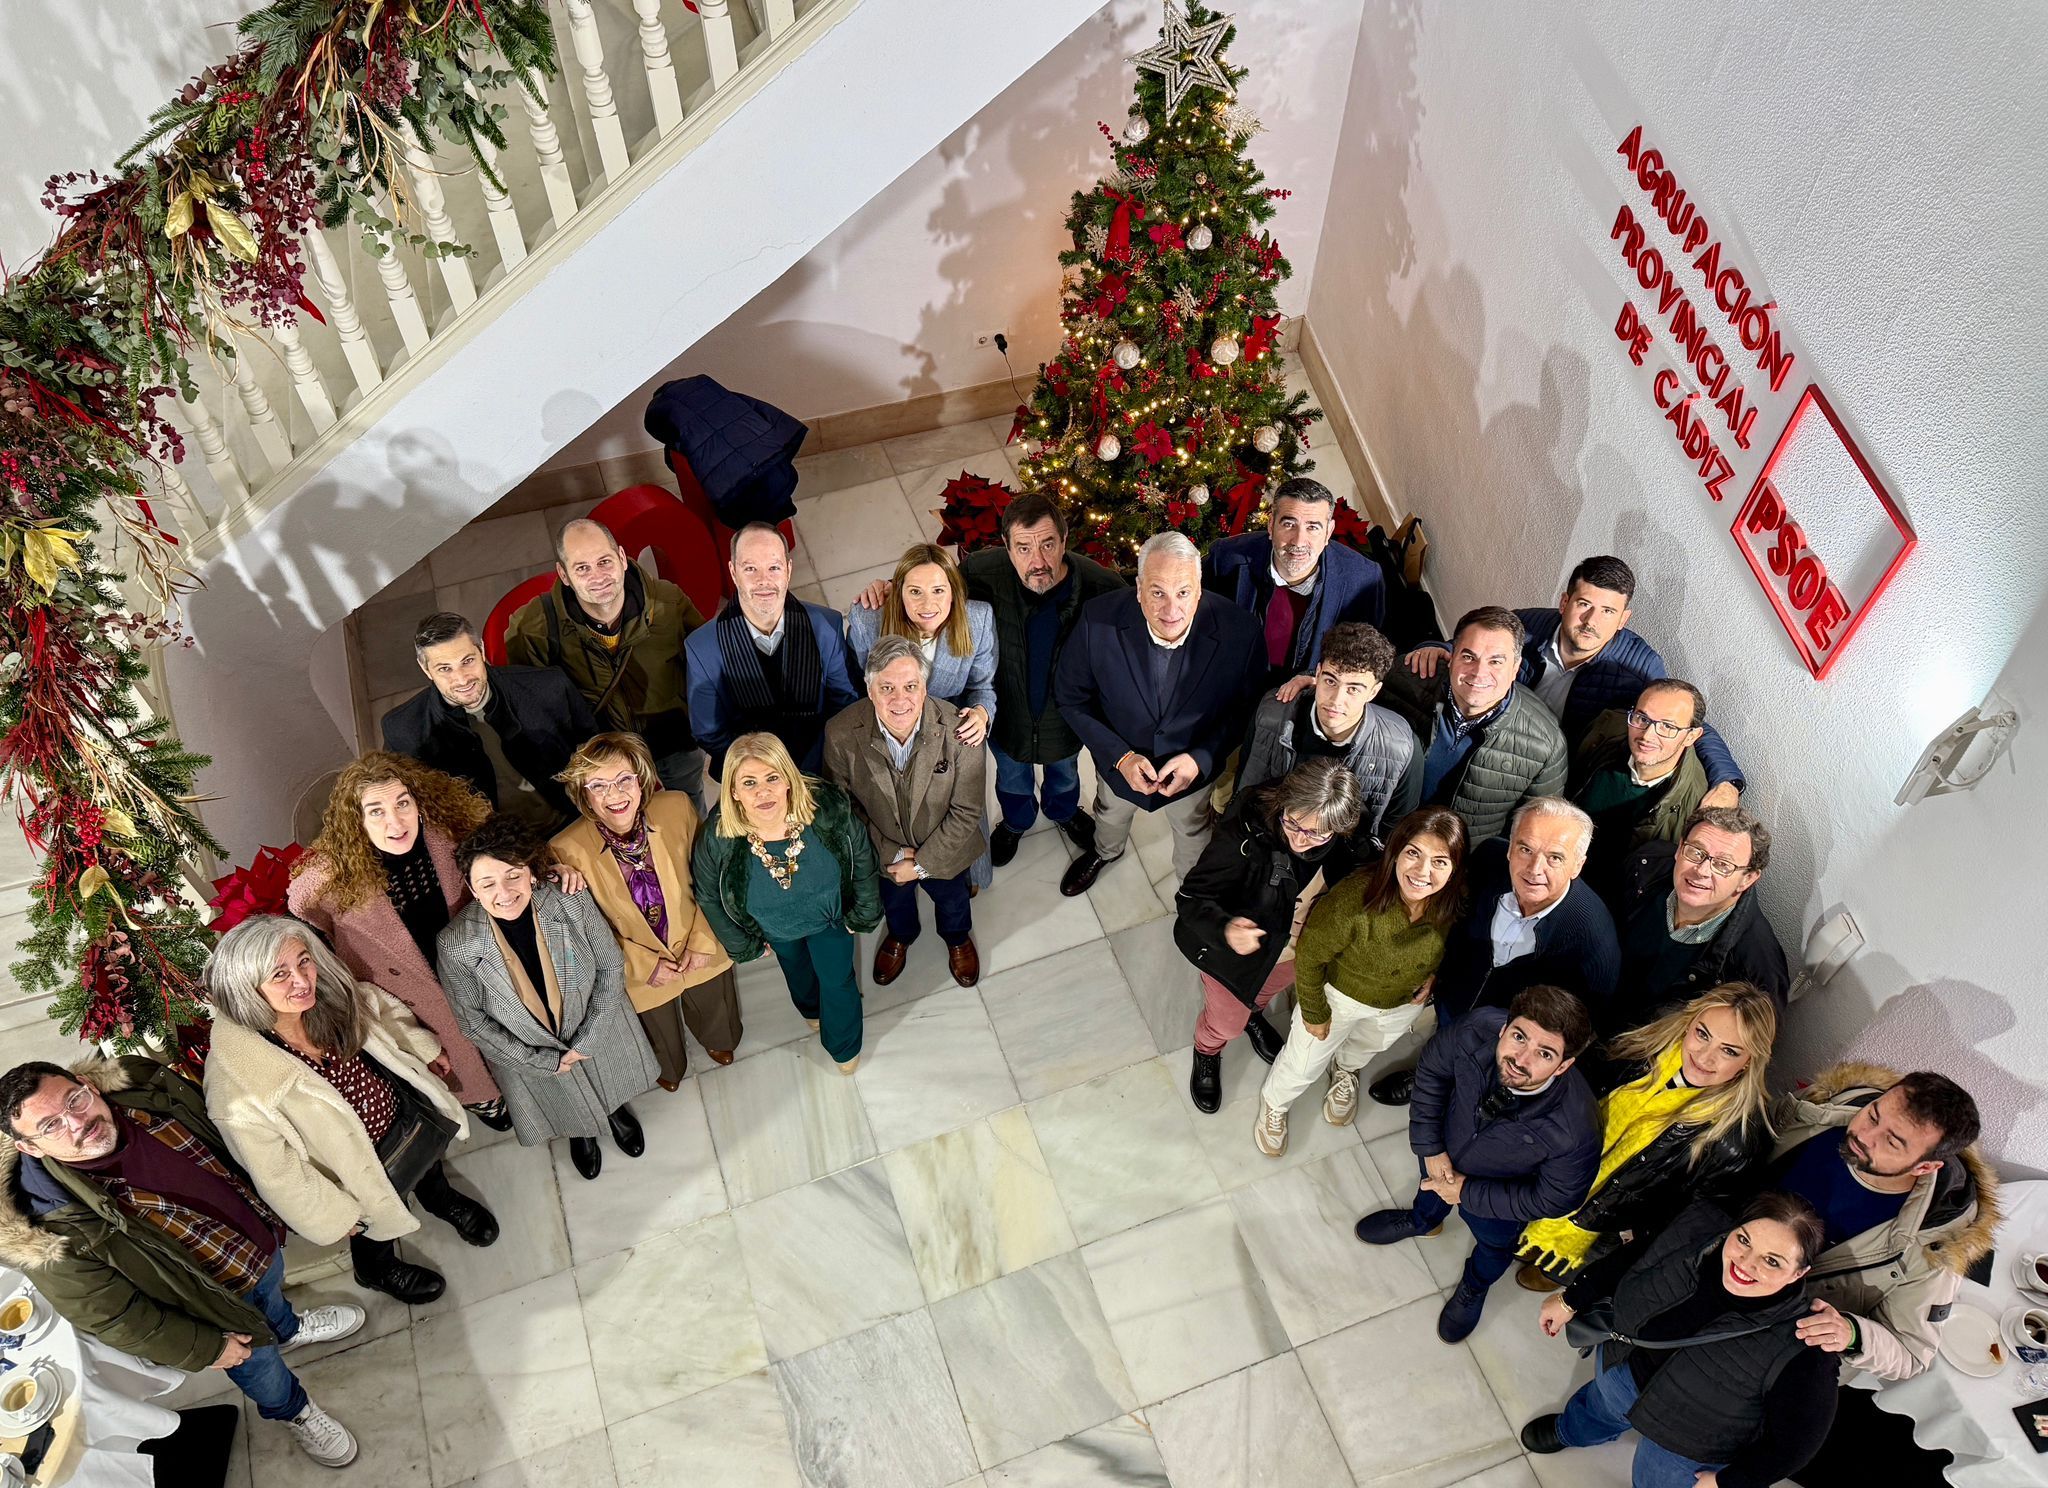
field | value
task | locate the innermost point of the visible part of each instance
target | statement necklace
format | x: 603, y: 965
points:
x: 782, y: 869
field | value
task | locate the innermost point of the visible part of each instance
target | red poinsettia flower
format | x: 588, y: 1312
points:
x: 1153, y: 442
x: 1166, y: 235
x: 971, y: 511
x: 258, y: 889
x: 1179, y: 512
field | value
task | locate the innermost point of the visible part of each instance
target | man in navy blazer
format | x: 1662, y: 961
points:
x: 1582, y: 659
x: 1294, y: 581
x: 1156, y: 684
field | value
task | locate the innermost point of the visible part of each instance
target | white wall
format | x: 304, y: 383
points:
x: 967, y: 241
x: 1867, y: 163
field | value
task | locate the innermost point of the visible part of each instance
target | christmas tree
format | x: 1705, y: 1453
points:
x: 1166, y: 406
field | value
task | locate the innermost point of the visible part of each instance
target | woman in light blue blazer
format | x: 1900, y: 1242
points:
x: 926, y: 602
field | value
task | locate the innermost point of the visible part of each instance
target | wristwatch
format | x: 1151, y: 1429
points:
x: 919, y: 870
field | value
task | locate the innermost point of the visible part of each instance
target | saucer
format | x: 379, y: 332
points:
x: 2028, y: 1281
x: 49, y: 1396
x: 1967, y: 1341
x: 41, y: 1318
x: 2009, y: 1332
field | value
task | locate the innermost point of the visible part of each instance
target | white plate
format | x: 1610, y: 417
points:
x: 1967, y: 1339
x: 49, y: 1395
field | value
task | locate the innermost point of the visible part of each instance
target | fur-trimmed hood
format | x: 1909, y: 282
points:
x: 1959, y: 1203
x: 25, y: 1241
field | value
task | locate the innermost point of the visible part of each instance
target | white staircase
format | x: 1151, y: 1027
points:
x: 686, y: 157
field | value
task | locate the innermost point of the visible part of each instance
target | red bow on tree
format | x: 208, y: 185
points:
x: 1241, y: 499
x: 1153, y: 442
x: 258, y: 889
x: 971, y: 511
x: 1108, y: 376
x: 1017, y: 423
x: 1127, y: 207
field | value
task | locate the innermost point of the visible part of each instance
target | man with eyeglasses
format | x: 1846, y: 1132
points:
x: 1638, y: 774
x: 126, y: 1209
x: 1689, y: 921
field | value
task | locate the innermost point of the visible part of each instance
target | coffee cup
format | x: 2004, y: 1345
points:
x: 2027, y: 1331
x: 15, y: 1313
x: 2032, y: 1273
x: 19, y: 1394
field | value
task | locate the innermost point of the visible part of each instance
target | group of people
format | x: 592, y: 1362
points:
x: 1527, y: 841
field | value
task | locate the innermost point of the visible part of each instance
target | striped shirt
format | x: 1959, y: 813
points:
x: 197, y: 1200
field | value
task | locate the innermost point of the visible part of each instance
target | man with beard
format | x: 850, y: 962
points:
x: 1890, y: 1164
x: 1506, y: 1131
x: 617, y: 633
x: 1294, y: 583
x: 1036, y: 588
x: 1581, y: 659
x: 769, y: 663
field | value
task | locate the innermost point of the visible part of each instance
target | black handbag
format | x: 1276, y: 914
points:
x: 417, y: 1138
x: 1587, y: 1330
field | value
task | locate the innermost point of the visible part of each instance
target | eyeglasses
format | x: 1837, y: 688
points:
x: 76, y: 1105
x: 1664, y: 728
x: 1313, y: 838
x: 1719, y: 867
x: 617, y: 786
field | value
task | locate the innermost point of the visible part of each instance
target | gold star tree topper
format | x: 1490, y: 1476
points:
x: 1185, y: 56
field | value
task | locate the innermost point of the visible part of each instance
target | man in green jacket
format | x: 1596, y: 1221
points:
x: 126, y: 1211
x: 1638, y: 776
x: 618, y: 635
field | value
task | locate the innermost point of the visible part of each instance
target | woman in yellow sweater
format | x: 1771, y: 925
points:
x: 1363, y: 966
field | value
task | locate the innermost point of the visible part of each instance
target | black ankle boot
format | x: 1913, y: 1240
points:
x: 1540, y: 1435
x: 1002, y: 845
x: 410, y: 1284
x: 586, y: 1155
x: 1205, y: 1082
x: 1265, y: 1043
x: 472, y: 1222
x: 626, y: 1132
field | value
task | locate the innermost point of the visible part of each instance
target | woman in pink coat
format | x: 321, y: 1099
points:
x: 380, y: 883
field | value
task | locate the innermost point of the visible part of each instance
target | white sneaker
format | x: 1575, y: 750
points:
x: 1341, y: 1103
x: 326, y: 1324
x: 323, y: 1438
x: 1271, y: 1131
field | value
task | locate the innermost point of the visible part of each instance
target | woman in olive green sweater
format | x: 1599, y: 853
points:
x: 1363, y: 966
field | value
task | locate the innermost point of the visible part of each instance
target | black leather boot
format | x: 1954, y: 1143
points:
x: 1266, y: 1043
x: 410, y: 1284
x: 1205, y: 1082
x: 475, y: 1224
x: 626, y: 1132
x: 586, y: 1155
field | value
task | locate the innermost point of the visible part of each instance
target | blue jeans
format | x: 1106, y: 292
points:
x: 1493, y: 1240
x: 1016, y: 784
x: 949, y: 908
x: 264, y: 1376
x: 1599, y: 1413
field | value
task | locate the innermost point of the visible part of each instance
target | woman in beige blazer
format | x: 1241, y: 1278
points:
x: 307, y: 1075
x: 633, y: 846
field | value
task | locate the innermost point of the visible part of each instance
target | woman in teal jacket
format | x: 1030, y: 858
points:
x: 785, y: 863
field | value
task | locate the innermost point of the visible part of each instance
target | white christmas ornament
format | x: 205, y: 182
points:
x: 1185, y: 56
x: 1223, y: 351
x: 1266, y: 440
x: 1108, y: 447
x: 1126, y: 354
x: 1199, y: 236
x: 1199, y: 494
x: 1136, y: 130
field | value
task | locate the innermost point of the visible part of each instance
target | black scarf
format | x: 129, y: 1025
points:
x: 414, y: 888
x: 799, y: 686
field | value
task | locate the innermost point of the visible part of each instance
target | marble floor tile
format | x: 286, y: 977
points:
x: 876, y: 1410
x: 384, y: 1315
x: 674, y: 1183
x: 840, y: 590
x: 733, y: 1434
x: 826, y: 1260
x: 1227, y: 1136
x: 495, y: 545
x: 1184, y: 1300
x: 835, y: 470
x: 518, y: 1183
x: 585, y: 1462
x: 505, y: 1378
x: 1123, y: 895
x: 1025, y: 916
x: 1116, y: 1454
x: 930, y: 1066
x: 1444, y: 1254
x: 480, y: 595
x: 1298, y: 1226
x: 670, y: 1317
x: 1513, y: 1473
x: 977, y: 1203
x: 1432, y: 1422
x: 779, y: 1119
x: 1121, y: 1150
x: 770, y: 1019
x: 1609, y: 1465
x: 1528, y: 1373
x: 1032, y: 1359
x: 1066, y: 1019
x: 374, y: 1391
x: 1259, y: 1428
x: 858, y: 527
x: 1167, y: 990
x: 953, y: 442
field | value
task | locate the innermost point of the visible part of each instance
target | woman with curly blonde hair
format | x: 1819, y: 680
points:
x: 380, y: 883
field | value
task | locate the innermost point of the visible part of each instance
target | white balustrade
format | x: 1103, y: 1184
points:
x: 271, y: 440
x: 305, y: 378
x: 504, y: 220
x: 661, y: 68
x: 597, y: 88
x: 433, y: 204
x: 547, y: 150
x: 405, y: 305
x: 341, y: 313
x: 721, y: 46
x: 780, y: 15
x: 180, y: 501
x: 213, y: 448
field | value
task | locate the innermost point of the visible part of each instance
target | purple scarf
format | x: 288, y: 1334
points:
x: 636, y: 861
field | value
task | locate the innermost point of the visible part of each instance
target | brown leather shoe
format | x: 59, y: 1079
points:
x: 720, y: 1056
x: 670, y: 1085
x: 964, y: 961
x: 889, y: 958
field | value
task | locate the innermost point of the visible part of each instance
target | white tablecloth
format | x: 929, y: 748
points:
x: 1973, y: 1417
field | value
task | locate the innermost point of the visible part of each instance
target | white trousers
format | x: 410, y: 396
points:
x: 1357, y: 1032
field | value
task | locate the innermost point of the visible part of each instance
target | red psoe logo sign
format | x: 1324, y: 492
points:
x: 1821, y: 533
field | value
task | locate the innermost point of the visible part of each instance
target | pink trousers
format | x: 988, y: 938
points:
x: 1223, y: 1016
